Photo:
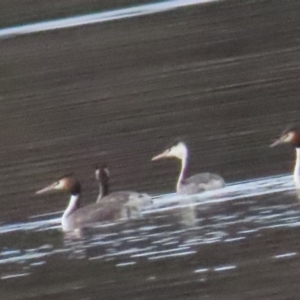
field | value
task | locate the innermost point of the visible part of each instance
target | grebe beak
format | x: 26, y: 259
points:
x: 160, y: 156
x: 280, y: 141
x: 47, y: 189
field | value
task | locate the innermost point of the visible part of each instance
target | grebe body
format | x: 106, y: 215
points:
x: 190, y: 185
x: 132, y: 201
x: 75, y: 216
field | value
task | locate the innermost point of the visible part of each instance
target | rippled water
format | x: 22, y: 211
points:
x: 175, y: 227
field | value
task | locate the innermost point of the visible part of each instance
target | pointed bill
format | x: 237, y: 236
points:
x: 279, y: 141
x: 159, y: 156
x: 45, y: 189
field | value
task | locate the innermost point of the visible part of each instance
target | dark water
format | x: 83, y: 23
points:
x: 225, y: 78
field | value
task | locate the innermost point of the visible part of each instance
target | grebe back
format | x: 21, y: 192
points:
x: 74, y: 216
x: 134, y: 202
x: 195, y: 184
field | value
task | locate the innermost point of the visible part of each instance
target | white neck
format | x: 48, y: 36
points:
x: 100, y: 195
x: 297, y: 169
x: 103, y: 190
x: 182, y: 175
x: 72, y: 206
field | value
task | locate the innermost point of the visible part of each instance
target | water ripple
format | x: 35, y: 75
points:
x: 243, y: 210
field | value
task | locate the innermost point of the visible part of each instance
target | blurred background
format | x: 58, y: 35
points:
x: 222, y: 75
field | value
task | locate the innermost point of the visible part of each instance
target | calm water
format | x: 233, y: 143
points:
x: 215, y: 75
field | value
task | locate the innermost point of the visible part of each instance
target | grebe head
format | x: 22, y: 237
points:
x: 65, y: 183
x: 178, y: 150
x: 102, y: 173
x: 290, y: 136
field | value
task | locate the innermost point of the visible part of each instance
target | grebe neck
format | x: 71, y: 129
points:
x: 297, y: 169
x: 74, y: 204
x: 103, y: 189
x: 184, y: 171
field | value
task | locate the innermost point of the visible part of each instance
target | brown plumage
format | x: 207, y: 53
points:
x: 76, y: 217
x: 291, y: 136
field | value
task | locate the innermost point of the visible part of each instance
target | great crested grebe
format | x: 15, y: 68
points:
x: 195, y: 184
x: 132, y: 201
x: 292, y: 136
x: 76, y: 217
